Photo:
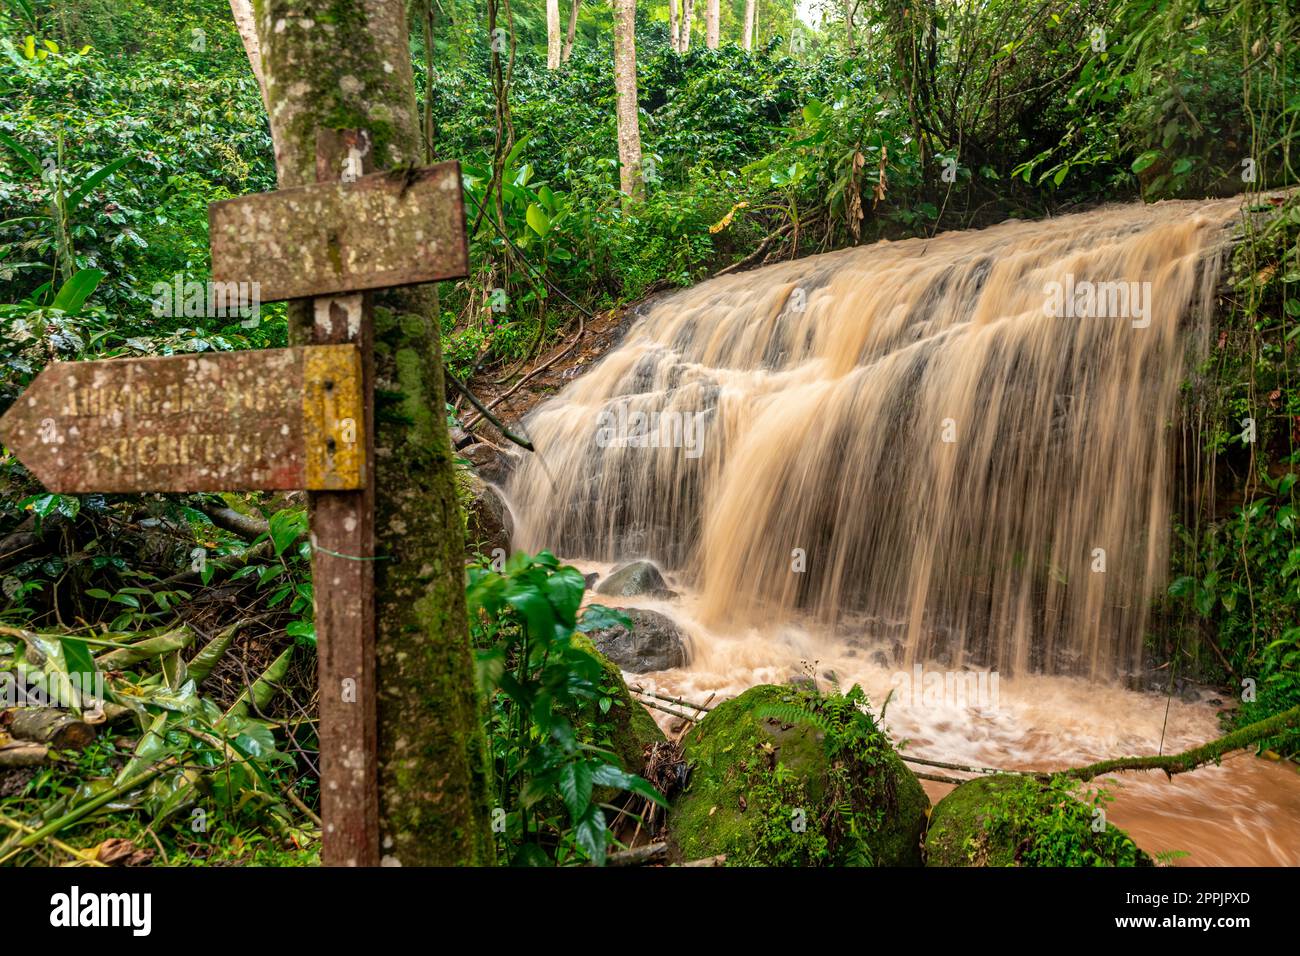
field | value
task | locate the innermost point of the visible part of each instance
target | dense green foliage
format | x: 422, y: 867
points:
x: 1018, y: 821
x: 123, y: 119
x: 551, y: 728
x: 788, y: 776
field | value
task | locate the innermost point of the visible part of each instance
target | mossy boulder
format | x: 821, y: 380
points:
x: 783, y: 776
x: 1007, y: 820
x: 626, y: 727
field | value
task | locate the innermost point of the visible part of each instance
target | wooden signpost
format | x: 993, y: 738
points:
x: 280, y: 418
x: 284, y: 418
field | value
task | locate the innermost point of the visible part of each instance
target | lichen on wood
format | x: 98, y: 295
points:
x: 344, y: 65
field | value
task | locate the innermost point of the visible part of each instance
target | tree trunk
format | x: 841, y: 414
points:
x: 674, y: 27
x: 552, y: 34
x: 747, y: 40
x: 629, y: 129
x: 345, y: 65
x: 573, y: 29
x: 59, y: 729
x: 688, y: 8
x: 849, y: 6
x: 711, y: 24
x: 245, y: 23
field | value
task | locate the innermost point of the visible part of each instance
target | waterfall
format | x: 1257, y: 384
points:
x: 960, y: 444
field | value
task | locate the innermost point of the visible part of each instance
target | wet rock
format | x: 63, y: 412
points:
x: 489, y: 525
x: 591, y: 579
x: 460, y: 438
x: 489, y: 462
x: 1006, y: 820
x: 635, y: 578
x: 631, y: 729
x: 654, y: 643
x: 861, y: 806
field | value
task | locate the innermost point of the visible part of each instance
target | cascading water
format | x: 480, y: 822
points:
x: 903, y: 431
x: 954, y: 451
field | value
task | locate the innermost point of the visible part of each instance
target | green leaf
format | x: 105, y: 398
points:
x: 304, y: 632
x: 286, y: 525
x: 597, y: 617
x: 575, y: 787
x: 82, y: 188
x: 590, y: 834
x: 76, y: 655
x: 74, y: 293
x: 538, y: 221
x: 1145, y: 160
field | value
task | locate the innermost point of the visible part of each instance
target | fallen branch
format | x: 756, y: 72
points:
x: 81, y: 855
x: 1189, y: 759
x: 757, y: 254
x: 639, y: 855
x: 89, y: 806
x: 27, y: 536
x: 248, y: 527
x: 523, y: 443
x: 667, y: 710
x: 704, y: 708
x: 956, y: 766
x: 54, y: 728
x: 582, y: 328
x: 940, y: 778
x: 23, y: 755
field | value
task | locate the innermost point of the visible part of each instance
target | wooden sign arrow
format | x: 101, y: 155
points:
x: 279, y: 418
x: 382, y: 230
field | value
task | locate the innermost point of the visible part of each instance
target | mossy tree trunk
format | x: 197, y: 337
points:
x: 345, y: 65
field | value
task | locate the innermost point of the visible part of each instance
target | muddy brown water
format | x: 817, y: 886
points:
x: 949, y: 454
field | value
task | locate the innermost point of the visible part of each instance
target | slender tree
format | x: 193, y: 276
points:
x: 552, y: 34
x: 346, y: 65
x: 711, y: 24
x: 674, y: 27
x: 245, y: 23
x: 688, y: 9
x: 747, y: 38
x: 573, y: 29
x: 629, y: 128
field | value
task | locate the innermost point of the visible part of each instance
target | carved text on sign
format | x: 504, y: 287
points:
x: 384, y: 230
x: 207, y: 422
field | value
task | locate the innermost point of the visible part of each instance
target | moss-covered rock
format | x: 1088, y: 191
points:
x: 626, y: 728
x: 781, y: 776
x: 1007, y: 820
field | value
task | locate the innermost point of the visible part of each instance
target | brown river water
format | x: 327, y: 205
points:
x: 1245, y: 812
x: 955, y: 454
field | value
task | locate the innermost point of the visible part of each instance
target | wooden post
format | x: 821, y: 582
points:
x: 343, y: 572
x: 301, y: 417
